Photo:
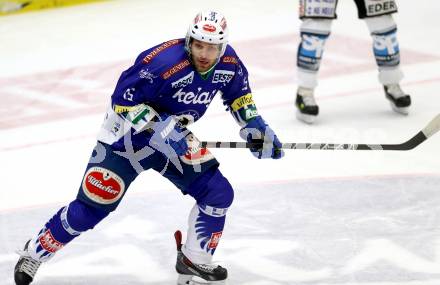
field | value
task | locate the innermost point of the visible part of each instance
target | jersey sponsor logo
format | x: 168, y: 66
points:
x: 176, y: 68
x: 375, y: 7
x: 49, y: 243
x: 184, y: 81
x: 122, y: 109
x: 222, y: 76
x: 209, y: 28
x: 102, y: 185
x: 168, y: 129
x: 141, y: 112
x: 230, y: 59
x: 250, y: 113
x: 195, y: 154
x: 145, y: 74
x: 317, y: 8
x: 215, y: 239
x: 149, y: 57
x: 242, y: 101
x: 189, y: 98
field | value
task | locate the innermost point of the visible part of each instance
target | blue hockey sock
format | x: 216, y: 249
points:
x: 68, y: 223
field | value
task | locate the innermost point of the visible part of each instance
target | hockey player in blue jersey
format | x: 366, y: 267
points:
x: 168, y: 87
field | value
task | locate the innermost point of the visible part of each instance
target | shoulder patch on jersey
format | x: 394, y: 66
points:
x: 222, y: 76
x: 149, y: 57
x: 121, y: 109
x: 176, y: 68
x: 230, y: 59
x: 136, y: 113
x: 242, y: 101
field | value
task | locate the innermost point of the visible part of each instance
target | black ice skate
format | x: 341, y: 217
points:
x: 26, y: 267
x: 194, y: 274
x: 399, y: 101
x: 307, y: 107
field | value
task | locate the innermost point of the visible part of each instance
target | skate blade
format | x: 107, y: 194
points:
x: 400, y: 110
x: 194, y: 280
x: 309, y: 119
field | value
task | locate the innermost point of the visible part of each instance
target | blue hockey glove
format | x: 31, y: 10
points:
x: 257, y: 131
x: 168, y: 136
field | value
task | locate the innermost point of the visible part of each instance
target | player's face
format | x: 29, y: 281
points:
x: 204, y: 55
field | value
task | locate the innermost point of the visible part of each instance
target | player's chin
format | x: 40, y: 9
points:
x: 202, y: 66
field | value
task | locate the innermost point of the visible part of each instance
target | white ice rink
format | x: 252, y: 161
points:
x: 314, y: 217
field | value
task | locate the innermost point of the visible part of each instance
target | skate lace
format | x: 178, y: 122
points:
x: 207, y: 267
x: 395, y: 91
x: 307, y: 96
x: 309, y: 100
x: 28, y: 265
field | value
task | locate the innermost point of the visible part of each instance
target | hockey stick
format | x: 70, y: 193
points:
x: 430, y: 129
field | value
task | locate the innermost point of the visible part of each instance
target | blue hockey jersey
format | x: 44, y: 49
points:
x: 164, y: 78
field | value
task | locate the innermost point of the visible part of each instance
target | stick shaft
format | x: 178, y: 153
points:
x: 413, y: 142
x: 431, y: 128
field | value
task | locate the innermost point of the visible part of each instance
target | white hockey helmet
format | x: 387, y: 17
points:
x: 209, y: 27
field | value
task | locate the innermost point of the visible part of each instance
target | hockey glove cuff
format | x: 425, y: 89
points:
x: 257, y: 131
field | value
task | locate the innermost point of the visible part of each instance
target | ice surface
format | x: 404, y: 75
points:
x: 314, y: 217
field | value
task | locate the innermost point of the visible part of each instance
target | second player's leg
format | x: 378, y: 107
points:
x: 383, y: 30
x: 317, y: 17
x: 387, y: 53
